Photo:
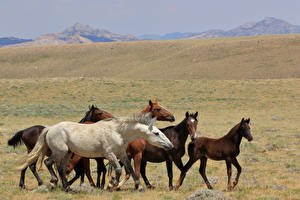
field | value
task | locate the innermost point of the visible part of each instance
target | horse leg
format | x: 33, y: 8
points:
x: 62, y: 170
x: 203, y: 173
x: 100, y: 168
x: 239, y: 170
x: 49, y: 162
x: 229, y: 172
x: 127, y: 176
x: 118, y: 170
x: 22, y: 179
x: 128, y: 167
x: 187, y: 166
x: 170, y: 173
x: 87, y: 171
x: 77, y: 175
x: 179, y: 164
x: 78, y: 168
x: 81, y: 178
x: 33, y: 169
x: 143, y: 173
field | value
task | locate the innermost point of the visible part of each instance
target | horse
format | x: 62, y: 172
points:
x: 225, y: 148
x: 107, y: 138
x: 29, y: 137
x: 141, y: 151
x: 82, y: 165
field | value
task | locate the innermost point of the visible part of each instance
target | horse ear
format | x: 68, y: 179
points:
x: 93, y: 106
x: 242, y: 120
x: 247, y: 120
x: 150, y: 104
x: 196, y: 115
x: 152, y: 123
x: 89, y: 107
x: 187, y: 114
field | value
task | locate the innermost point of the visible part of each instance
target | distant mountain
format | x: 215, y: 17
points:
x: 79, y: 33
x: 168, y: 36
x: 12, y: 40
x: 267, y: 26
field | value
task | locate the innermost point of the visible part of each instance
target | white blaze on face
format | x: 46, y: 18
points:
x: 193, y: 121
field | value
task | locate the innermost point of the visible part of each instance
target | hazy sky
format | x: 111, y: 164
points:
x: 31, y: 18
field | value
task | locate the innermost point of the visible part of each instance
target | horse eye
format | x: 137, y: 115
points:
x: 158, y: 109
x: 156, y: 133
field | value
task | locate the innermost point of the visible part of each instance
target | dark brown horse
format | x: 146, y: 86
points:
x: 29, y: 137
x: 141, y: 151
x: 226, y: 148
x: 82, y: 165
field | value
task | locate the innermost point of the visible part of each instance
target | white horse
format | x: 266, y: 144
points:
x: 107, y: 138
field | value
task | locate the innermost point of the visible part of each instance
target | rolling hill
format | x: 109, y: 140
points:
x: 260, y: 57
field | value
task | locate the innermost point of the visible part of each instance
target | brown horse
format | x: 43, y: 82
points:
x: 82, y: 165
x: 141, y: 151
x: 29, y: 137
x: 226, y: 148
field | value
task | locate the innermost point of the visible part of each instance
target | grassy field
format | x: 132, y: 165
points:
x: 271, y: 168
x: 263, y: 57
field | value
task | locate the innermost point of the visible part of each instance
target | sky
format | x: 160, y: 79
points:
x: 31, y: 18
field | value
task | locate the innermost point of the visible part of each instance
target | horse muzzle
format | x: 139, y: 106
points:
x: 169, y: 146
x: 171, y: 118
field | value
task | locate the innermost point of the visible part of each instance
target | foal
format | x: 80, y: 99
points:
x: 226, y: 148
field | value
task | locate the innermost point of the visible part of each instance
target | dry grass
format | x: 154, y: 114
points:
x: 270, y: 163
x: 263, y: 57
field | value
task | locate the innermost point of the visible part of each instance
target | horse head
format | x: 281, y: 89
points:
x: 191, y: 122
x: 245, y: 129
x: 161, y: 113
x: 96, y: 114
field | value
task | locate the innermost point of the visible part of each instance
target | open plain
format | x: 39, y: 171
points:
x: 223, y: 79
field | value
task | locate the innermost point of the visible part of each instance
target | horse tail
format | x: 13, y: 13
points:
x: 16, y: 139
x: 38, y: 152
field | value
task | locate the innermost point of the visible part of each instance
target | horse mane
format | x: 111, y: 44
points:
x: 136, y: 118
x: 233, y: 130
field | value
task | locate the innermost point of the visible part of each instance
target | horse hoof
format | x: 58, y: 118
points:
x: 151, y: 187
x: 234, y: 183
x: 108, y: 188
x: 69, y: 190
x: 171, y: 188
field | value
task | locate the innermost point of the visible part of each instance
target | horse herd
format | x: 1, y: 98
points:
x: 100, y: 135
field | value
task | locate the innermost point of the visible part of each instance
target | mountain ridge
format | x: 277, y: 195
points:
x: 80, y: 33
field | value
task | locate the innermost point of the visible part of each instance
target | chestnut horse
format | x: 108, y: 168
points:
x: 225, y: 148
x: 29, y: 137
x: 141, y: 151
x: 82, y: 165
